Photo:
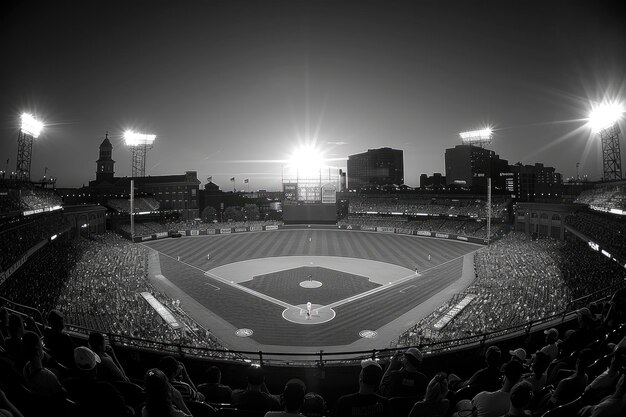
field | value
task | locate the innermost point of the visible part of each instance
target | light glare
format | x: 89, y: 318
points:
x: 30, y: 125
x: 307, y: 158
x: 483, y: 134
x: 135, y: 139
x: 605, y: 115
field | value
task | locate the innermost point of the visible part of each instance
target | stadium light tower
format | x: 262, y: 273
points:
x: 604, y: 121
x: 140, y: 144
x: 29, y: 131
x: 480, y: 137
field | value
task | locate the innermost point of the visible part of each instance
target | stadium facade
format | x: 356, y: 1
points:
x: 179, y: 193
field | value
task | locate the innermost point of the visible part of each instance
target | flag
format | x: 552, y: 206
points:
x: 209, y: 179
x: 232, y: 179
x: 245, y: 181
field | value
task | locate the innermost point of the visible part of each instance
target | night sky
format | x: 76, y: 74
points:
x: 230, y: 87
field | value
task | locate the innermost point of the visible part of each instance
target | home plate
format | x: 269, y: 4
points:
x: 310, y: 284
x: 298, y: 314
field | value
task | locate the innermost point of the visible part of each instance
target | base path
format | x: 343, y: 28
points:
x: 390, y: 309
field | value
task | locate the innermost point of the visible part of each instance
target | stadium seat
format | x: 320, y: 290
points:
x: 199, y: 409
x: 465, y: 393
x: 597, y: 367
x: 133, y: 394
x: 35, y: 405
x: 565, y: 410
x: 401, y: 406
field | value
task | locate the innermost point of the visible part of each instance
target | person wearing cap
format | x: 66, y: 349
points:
x: 495, y: 404
x: 601, y: 386
x: 255, y: 397
x: 58, y: 343
x: 490, y: 377
x: 39, y: 379
x: 519, y: 355
x: 364, y: 402
x: 95, y: 398
x: 292, y: 400
x: 552, y: 339
x: 402, y: 377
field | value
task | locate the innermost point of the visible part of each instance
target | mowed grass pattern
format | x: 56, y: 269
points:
x: 242, y: 309
x: 407, y: 251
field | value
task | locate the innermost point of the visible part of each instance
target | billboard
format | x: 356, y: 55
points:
x: 309, y: 214
x: 290, y: 189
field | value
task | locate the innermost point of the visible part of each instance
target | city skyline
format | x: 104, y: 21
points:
x: 230, y: 88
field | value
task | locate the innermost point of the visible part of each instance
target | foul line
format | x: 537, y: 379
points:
x: 387, y: 286
x: 329, y: 306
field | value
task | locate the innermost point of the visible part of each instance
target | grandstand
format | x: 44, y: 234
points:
x: 519, y: 286
x: 609, y: 198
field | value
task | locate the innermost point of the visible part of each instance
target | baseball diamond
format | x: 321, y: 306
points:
x: 366, y: 283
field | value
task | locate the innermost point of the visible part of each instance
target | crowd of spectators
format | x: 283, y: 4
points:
x: 586, y: 271
x: 21, y: 236
x: 16, y: 198
x: 41, y: 279
x: 431, y: 206
x: 9, y: 200
x: 608, y: 196
x: 520, y: 280
x: 103, y: 292
x: 608, y: 232
x: 38, y: 198
x: 586, y: 378
x: 142, y: 204
x: 467, y: 227
x: 517, y: 280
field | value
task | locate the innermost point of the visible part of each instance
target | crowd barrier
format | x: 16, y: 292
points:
x: 241, y: 229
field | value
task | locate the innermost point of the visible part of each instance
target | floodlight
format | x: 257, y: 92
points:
x: 140, y: 144
x: 476, y: 135
x: 30, y: 125
x: 605, y: 116
x: 307, y: 157
x: 138, y: 139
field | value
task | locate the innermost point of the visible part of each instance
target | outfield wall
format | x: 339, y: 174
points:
x: 244, y: 229
x: 309, y: 213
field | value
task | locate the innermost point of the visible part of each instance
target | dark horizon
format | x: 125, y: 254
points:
x: 226, y: 86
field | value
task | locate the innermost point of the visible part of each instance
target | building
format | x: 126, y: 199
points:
x: 469, y: 166
x: 536, y: 183
x: 433, y: 182
x: 105, y: 164
x: 175, y: 193
x: 375, y: 168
